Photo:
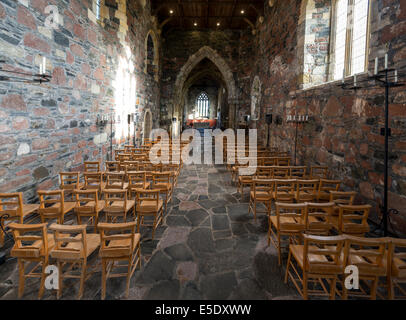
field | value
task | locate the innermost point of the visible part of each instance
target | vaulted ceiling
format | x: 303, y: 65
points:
x: 207, y: 14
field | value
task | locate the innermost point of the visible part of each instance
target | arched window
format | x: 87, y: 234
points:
x: 350, y: 35
x: 151, y: 55
x: 203, y: 105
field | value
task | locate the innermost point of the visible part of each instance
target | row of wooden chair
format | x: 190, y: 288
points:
x: 292, y: 220
x: 243, y: 175
x: 292, y: 190
x: 71, y: 247
x: 322, y: 261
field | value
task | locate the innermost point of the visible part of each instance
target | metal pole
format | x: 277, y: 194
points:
x: 385, y: 199
x: 111, y: 138
x: 296, y: 140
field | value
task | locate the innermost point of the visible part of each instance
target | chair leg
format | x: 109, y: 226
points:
x: 279, y: 250
x: 60, y: 280
x: 43, y: 276
x: 21, y: 280
x: 374, y: 288
x: 139, y: 253
x: 128, y: 277
x: 96, y: 222
x: 154, y: 227
x: 255, y: 210
x: 287, y: 267
x: 82, y: 280
x: 2, y: 233
x: 333, y: 288
x: 345, y: 292
x: 104, y: 273
x: 305, y: 283
x: 269, y: 231
x: 391, y: 289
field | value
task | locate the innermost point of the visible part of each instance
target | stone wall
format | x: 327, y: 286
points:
x: 344, y: 131
x: 97, y: 68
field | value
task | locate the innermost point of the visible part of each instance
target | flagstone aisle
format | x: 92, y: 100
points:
x: 208, y: 247
x: 211, y: 247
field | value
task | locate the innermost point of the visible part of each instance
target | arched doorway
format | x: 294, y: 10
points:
x: 147, y: 124
x: 183, y: 80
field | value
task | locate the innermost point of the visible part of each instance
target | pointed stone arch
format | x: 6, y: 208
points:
x: 193, y: 61
x: 155, y: 62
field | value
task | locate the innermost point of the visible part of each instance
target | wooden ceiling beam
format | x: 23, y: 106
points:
x: 207, y: 14
x: 181, y: 13
x: 230, y: 20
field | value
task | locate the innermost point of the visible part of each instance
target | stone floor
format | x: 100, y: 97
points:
x: 208, y: 247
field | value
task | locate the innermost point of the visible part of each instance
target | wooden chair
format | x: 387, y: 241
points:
x: 70, y: 181
x: 318, y: 259
x: 175, y: 169
x: 306, y: 190
x: 149, y: 204
x: 325, y: 186
x: 94, y: 181
x: 264, y: 172
x: 289, y: 221
x: 352, y: 220
x: 116, y: 246
x: 12, y: 208
x: 396, y: 268
x: 285, y: 190
x: 89, y: 206
x: 137, y: 180
x: 342, y: 197
x: 318, y: 172
x: 31, y: 247
x: 163, y: 182
x: 297, y: 172
x: 368, y: 255
x: 73, y: 247
x: 92, y: 166
x: 130, y: 167
x: 116, y: 180
x: 112, y: 166
x: 53, y: 205
x: 117, y: 204
x: 283, y: 161
x: 317, y: 218
x: 261, y: 192
x: 281, y: 172
x: 244, y: 180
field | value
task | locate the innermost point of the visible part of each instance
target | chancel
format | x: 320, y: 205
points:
x: 202, y: 150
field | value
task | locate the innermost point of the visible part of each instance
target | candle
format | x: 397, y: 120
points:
x: 396, y: 76
x: 355, y: 80
x: 44, y: 62
x: 343, y: 75
x: 376, y: 66
x: 386, y: 61
x: 40, y: 68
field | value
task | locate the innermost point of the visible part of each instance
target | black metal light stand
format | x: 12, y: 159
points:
x: 297, y: 120
x: 383, y: 77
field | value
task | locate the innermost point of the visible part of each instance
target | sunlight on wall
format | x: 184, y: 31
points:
x: 125, y: 86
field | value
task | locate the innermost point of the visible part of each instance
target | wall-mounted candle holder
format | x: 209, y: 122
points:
x: 25, y: 77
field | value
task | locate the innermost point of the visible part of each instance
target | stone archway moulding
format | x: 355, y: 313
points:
x: 221, y: 64
x: 147, y: 126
